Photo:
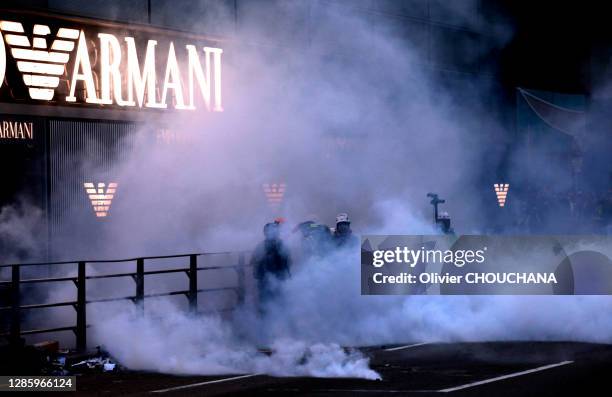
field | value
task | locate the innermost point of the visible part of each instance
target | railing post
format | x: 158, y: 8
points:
x: 193, y: 283
x: 81, y: 309
x: 140, y: 283
x: 15, y: 305
x: 241, y: 281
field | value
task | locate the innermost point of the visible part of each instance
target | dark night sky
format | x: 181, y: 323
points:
x: 557, y: 46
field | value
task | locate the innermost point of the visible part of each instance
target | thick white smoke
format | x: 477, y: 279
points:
x: 322, y: 302
x: 286, y: 109
x: 170, y: 341
x: 321, y: 309
x: 21, y: 230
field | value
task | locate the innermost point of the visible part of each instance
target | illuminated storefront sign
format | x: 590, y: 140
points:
x: 61, y: 62
x: 274, y: 193
x: 101, y: 198
x: 175, y: 136
x: 501, y: 191
x: 16, y: 130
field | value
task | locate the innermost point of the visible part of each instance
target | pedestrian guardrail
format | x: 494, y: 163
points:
x: 80, y: 281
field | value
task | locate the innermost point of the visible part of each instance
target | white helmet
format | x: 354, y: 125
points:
x: 444, y: 215
x: 342, y: 217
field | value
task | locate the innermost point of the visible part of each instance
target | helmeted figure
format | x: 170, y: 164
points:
x: 343, y: 235
x: 315, y: 241
x: 444, y: 223
x: 271, y: 263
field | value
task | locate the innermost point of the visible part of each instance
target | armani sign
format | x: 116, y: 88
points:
x: 107, y: 68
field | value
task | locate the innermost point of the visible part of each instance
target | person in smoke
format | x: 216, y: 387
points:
x: 444, y: 223
x: 315, y: 241
x: 343, y: 235
x: 271, y: 264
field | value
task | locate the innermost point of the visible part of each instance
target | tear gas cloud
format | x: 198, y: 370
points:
x: 173, y: 342
x: 20, y: 231
x: 285, y: 109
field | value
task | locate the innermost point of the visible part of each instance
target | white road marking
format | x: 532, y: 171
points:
x: 450, y: 389
x: 482, y: 382
x: 370, y: 391
x: 210, y: 382
x: 407, y: 346
x: 377, y: 391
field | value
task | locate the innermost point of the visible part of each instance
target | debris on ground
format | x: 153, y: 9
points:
x: 100, y: 362
x: 69, y: 362
x: 94, y: 364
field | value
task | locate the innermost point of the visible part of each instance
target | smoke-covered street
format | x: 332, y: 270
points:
x: 466, y: 369
x: 305, y: 197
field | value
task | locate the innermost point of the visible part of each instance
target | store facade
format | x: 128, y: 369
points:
x: 74, y: 91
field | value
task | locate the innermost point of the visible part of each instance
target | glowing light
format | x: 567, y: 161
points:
x: 217, y: 72
x: 101, y: 199
x: 68, y: 33
x: 16, y: 130
x: 9, y: 26
x: 41, y: 81
x: 141, y: 81
x: 41, y: 59
x: 82, y: 62
x: 40, y: 68
x: 274, y: 193
x: 174, y: 136
x: 62, y: 45
x: 203, y: 79
x: 2, y: 61
x: 110, y: 59
x: 38, y: 55
x: 36, y: 64
x: 41, y: 30
x: 17, y: 40
x: 39, y: 42
x: 172, y: 81
x: 501, y: 191
x: 44, y: 94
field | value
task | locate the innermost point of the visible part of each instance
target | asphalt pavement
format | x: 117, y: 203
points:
x: 496, y: 369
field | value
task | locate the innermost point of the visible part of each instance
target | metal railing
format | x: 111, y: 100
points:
x: 80, y: 281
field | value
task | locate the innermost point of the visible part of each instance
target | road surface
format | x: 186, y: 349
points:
x: 420, y: 369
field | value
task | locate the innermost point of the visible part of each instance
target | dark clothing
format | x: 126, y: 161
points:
x: 271, y: 263
x: 316, y: 241
x: 342, y: 240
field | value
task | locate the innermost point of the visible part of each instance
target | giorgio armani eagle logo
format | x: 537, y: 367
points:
x: 39, y: 64
x: 101, y: 197
x: 501, y: 191
x: 274, y: 193
x: 110, y: 67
